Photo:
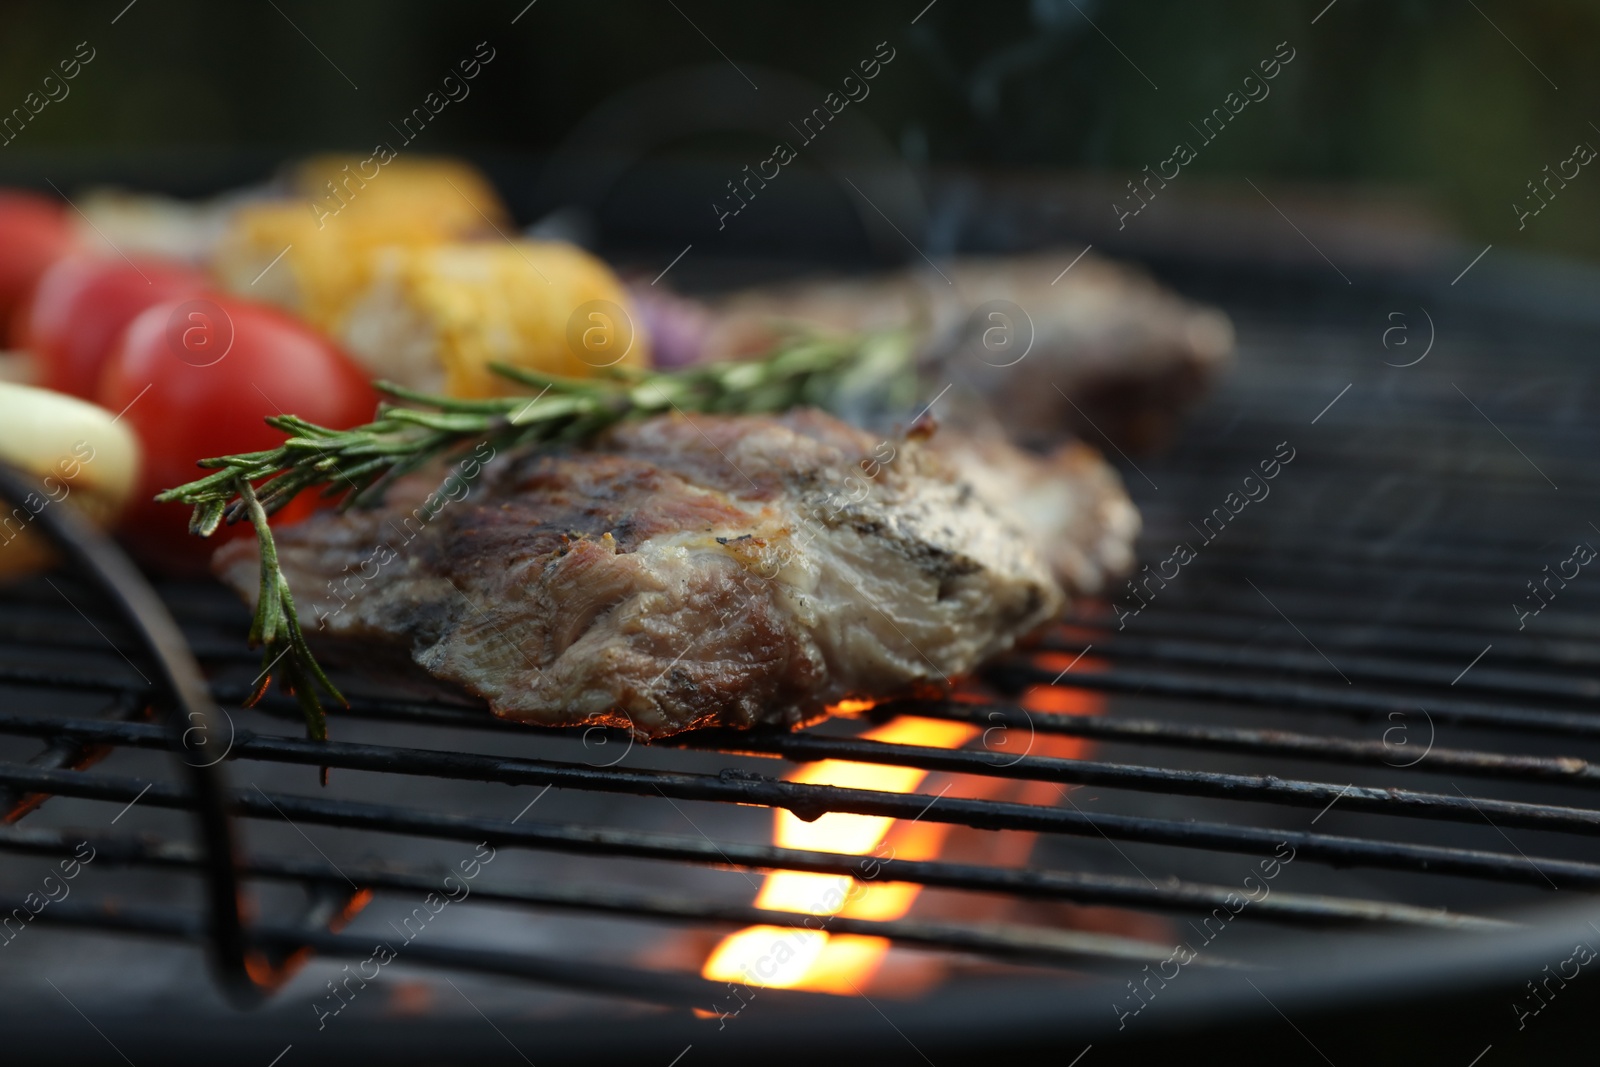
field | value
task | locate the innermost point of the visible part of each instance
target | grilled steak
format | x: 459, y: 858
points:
x: 678, y: 572
x: 1070, y: 501
x: 1098, y: 348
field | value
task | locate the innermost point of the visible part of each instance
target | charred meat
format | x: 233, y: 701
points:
x: 677, y: 573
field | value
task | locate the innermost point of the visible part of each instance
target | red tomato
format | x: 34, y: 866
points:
x: 34, y: 232
x: 194, y: 379
x: 80, y: 306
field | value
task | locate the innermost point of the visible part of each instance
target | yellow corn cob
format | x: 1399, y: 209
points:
x: 343, y: 211
x: 456, y: 195
x: 433, y: 318
x: 321, y: 269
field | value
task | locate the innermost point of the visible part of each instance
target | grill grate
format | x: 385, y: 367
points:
x: 1257, y: 696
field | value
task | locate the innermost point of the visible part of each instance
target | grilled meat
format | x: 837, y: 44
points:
x: 677, y: 573
x: 1070, y: 501
x: 1098, y: 348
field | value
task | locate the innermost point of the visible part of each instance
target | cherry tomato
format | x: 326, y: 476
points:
x: 194, y: 379
x: 34, y: 232
x: 81, y: 304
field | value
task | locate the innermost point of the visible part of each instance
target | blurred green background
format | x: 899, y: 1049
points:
x: 1427, y: 95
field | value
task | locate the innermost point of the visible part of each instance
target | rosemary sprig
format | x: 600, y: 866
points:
x: 358, y: 465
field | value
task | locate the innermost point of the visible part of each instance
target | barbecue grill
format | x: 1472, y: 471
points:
x: 1337, y: 677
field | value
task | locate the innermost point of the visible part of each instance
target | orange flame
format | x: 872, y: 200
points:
x: 785, y: 957
x: 812, y: 958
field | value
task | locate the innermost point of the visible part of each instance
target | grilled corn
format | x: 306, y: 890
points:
x: 315, y: 252
x: 433, y: 318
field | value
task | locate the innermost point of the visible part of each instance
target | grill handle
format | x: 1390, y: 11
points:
x: 180, y: 690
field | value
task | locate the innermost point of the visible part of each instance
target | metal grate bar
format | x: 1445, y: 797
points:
x: 813, y: 799
x: 1324, y: 848
x: 1282, y: 907
x: 1234, y: 658
x: 1505, y: 573
x: 1029, y: 944
x: 1278, y: 696
x: 1563, y: 770
x: 1331, y: 609
x: 1464, y: 557
x: 1435, y: 644
x: 1555, y: 770
x: 64, y: 752
x: 651, y: 987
